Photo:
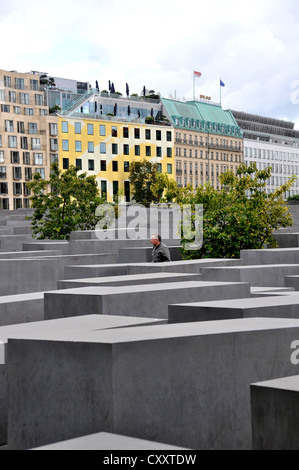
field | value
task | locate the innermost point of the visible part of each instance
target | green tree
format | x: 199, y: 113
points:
x: 143, y: 177
x: 240, y: 216
x: 64, y: 203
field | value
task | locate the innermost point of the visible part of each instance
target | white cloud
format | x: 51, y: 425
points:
x: 159, y: 44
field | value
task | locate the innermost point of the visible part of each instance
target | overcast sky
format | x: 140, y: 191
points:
x: 253, y: 46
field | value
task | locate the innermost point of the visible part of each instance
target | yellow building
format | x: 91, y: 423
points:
x: 105, y: 147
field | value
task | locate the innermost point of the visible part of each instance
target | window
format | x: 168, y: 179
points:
x: 53, y: 128
x: 126, y: 167
x: 9, y: 126
x: 90, y: 165
x: 54, y: 145
x: 78, y: 146
x: 114, y: 149
x: 90, y: 129
x: 115, y: 188
x: 29, y: 111
x: 3, y: 172
x: 77, y: 127
x: 90, y: 147
x: 159, y: 167
x: 126, y: 149
x: 102, y: 147
x: 17, y: 109
x: 17, y: 172
x: 26, y: 158
x: 24, y: 98
x: 53, y: 158
x: 125, y: 132
x: 2, y: 159
x: 78, y: 163
x: 137, y: 133
x: 168, y: 136
x: 2, y: 95
x: 104, y: 188
x: 169, y: 168
x: 3, y: 188
x: 34, y: 85
x: 39, y: 100
x: 169, y: 152
x: 41, y: 171
x: 26, y: 190
x: 28, y: 174
x: 64, y: 126
x: 17, y: 203
x: 19, y: 83
x: 158, y: 135
x: 43, y: 112
x: 114, y: 166
x: 102, y: 130
x: 65, y: 145
x: 7, y: 81
x: 12, y: 142
x: 38, y: 158
x: 148, y: 151
x: 32, y: 128
x: 159, y: 151
x: 5, y: 108
x: 103, y: 165
x: 65, y: 163
x: 21, y: 127
x: 148, y: 134
x: 137, y: 150
x: 14, y: 157
x: 12, y: 96
x: 114, y: 131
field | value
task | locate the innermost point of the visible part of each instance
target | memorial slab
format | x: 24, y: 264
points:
x: 108, y: 441
x: 186, y: 385
x: 275, y: 414
x: 133, y: 279
x: 142, y: 301
x: 266, y: 306
x: 271, y: 275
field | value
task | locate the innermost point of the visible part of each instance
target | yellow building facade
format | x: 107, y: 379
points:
x: 105, y: 148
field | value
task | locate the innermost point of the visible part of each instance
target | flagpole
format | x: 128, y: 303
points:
x: 193, y: 86
x: 220, y: 90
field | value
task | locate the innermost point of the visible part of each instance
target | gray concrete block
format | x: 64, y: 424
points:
x: 141, y: 301
x: 28, y: 254
x: 272, y: 256
x: 21, y: 308
x: 61, y: 245
x: 292, y: 282
x: 3, y: 404
x: 287, y: 240
x: 120, y: 269
x: 275, y: 414
x: 104, y: 246
x: 265, y: 306
x: 257, y: 275
x: 40, y: 330
x: 128, y: 280
x: 13, y: 242
x: 108, y: 441
x: 185, y: 385
x: 19, y: 276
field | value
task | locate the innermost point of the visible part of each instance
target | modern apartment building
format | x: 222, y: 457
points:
x: 103, y: 134
x: 271, y: 143
x: 28, y: 136
x: 207, y: 141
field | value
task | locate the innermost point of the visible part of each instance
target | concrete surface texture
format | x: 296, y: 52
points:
x: 101, y: 348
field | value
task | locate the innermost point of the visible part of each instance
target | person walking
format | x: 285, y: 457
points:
x: 160, y: 252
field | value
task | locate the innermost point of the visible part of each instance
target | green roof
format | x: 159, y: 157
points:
x: 201, y: 116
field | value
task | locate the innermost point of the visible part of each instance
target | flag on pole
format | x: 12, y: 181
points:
x: 197, y: 74
x: 221, y: 83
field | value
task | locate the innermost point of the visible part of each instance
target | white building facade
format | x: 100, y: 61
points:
x: 271, y: 143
